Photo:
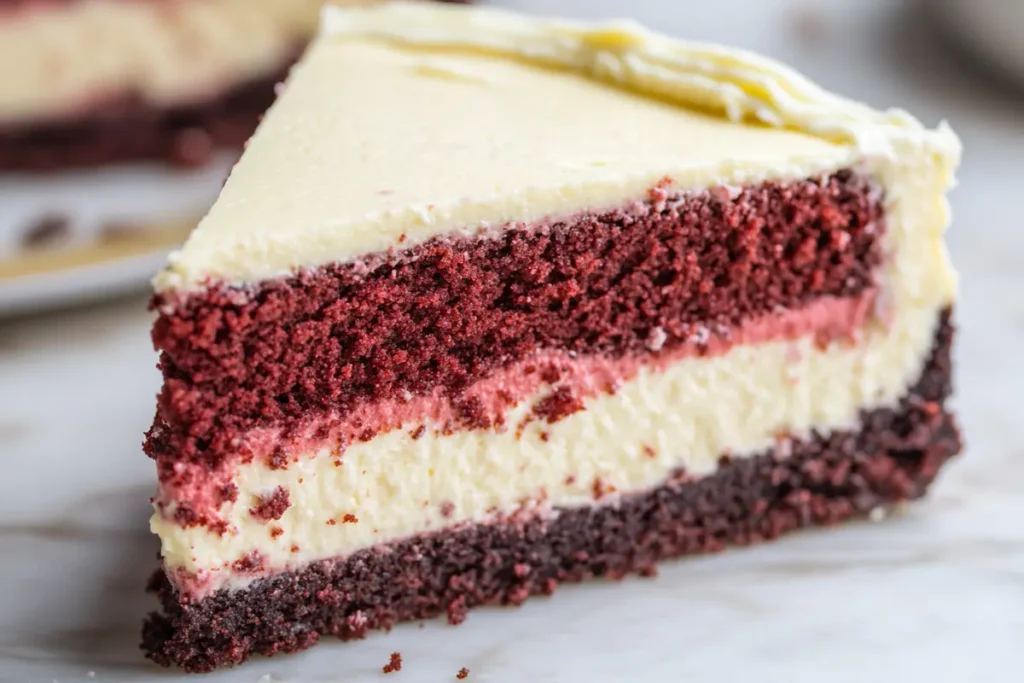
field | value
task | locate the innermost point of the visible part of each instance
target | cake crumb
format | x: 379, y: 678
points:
x: 295, y: 548
x: 271, y: 506
x: 349, y: 518
x: 447, y: 508
x: 395, y: 664
x: 463, y: 673
x: 656, y: 339
x: 250, y: 563
x: 601, y: 488
x: 332, y: 521
x: 276, y: 531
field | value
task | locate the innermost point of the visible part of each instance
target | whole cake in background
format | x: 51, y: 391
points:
x: 120, y: 119
x: 606, y: 298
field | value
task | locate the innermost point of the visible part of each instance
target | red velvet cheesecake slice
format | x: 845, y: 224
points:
x: 493, y: 303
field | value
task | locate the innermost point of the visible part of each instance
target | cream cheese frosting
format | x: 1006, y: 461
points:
x: 409, y: 121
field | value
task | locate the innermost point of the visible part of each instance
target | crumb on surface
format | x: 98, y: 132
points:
x: 349, y: 518
x: 463, y: 673
x: 395, y: 663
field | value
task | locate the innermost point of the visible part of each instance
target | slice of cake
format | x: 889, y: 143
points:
x: 493, y: 303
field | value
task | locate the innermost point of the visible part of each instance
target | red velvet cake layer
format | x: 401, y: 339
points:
x: 131, y: 130
x: 641, y: 280
x: 892, y: 457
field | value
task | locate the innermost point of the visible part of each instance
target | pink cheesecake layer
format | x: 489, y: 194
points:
x: 195, y: 494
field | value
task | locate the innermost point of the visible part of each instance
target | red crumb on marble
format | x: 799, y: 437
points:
x: 649, y: 452
x: 349, y: 518
x: 276, y: 531
x: 463, y: 673
x: 395, y: 664
x: 332, y: 521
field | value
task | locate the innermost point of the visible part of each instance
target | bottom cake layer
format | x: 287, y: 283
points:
x: 892, y: 457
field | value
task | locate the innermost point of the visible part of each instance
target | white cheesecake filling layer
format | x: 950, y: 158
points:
x: 62, y: 58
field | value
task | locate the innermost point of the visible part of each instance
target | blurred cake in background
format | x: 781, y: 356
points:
x: 119, y: 119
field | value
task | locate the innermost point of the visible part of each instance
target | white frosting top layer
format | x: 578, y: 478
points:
x: 409, y: 121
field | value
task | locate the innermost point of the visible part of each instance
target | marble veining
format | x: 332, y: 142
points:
x: 934, y: 593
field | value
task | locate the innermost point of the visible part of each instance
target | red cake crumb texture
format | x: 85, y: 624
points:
x: 463, y: 673
x: 434, y: 319
x: 395, y: 664
x: 892, y: 456
x: 252, y: 563
x: 271, y: 506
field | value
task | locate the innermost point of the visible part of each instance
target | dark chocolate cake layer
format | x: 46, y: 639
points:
x: 447, y: 313
x: 893, y: 457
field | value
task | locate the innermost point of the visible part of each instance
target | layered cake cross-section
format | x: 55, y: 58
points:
x: 493, y: 303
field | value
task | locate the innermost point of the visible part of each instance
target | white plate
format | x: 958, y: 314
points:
x: 152, y: 207
x: 66, y: 287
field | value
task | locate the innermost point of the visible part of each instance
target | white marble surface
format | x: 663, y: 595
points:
x: 935, y: 595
